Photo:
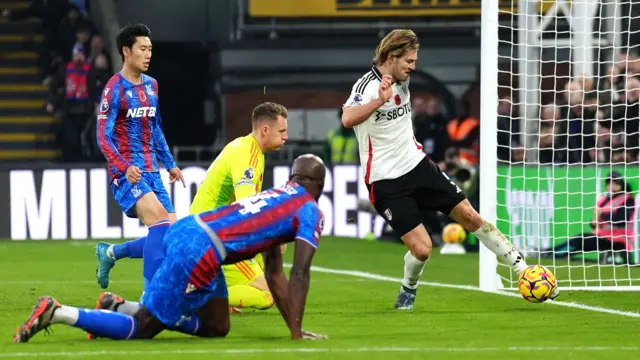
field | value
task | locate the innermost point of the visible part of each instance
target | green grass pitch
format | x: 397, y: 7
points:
x: 355, y: 310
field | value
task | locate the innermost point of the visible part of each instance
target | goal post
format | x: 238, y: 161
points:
x: 489, y: 280
x: 547, y: 194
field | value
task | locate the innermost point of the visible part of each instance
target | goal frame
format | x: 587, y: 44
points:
x: 528, y: 44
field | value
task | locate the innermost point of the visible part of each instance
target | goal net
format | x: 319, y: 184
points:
x: 561, y: 177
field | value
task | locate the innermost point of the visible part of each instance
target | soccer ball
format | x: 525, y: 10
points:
x: 536, y: 284
x: 453, y: 233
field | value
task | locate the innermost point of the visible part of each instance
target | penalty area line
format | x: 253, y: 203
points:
x: 79, y: 354
x: 367, y: 275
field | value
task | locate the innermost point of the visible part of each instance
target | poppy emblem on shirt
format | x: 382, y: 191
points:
x: 142, y: 96
x: 397, y: 99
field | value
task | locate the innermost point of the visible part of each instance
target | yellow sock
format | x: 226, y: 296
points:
x: 245, y: 296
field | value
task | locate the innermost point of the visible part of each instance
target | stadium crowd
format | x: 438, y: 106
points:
x: 73, y: 63
x: 590, y: 120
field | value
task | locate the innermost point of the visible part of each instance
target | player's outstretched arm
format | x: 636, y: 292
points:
x: 277, y: 281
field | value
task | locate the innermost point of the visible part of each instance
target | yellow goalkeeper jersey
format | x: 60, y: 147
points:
x: 235, y: 174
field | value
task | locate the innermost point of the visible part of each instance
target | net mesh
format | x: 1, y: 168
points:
x: 568, y: 136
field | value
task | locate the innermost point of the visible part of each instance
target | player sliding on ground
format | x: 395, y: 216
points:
x: 401, y: 179
x: 234, y: 175
x: 188, y: 292
x: 130, y: 136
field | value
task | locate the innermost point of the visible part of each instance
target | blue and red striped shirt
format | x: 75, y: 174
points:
x: 129, y: 127
x: 252, y: 225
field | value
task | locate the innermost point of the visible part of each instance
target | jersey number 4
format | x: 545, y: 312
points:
x: 251, y: 205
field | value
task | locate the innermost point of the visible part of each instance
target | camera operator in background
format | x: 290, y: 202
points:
x: 461, y: 172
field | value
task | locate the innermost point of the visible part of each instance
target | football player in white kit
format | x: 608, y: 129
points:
x: 401, y: 178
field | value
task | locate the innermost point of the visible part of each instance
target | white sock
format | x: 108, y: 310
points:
x: 65, y: 315
x: 495, y: 241
x: 412, y: 271
x: 128, y: 307
x: 110, y: 252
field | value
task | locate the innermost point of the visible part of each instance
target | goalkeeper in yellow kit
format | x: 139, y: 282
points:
x: 235, y: 174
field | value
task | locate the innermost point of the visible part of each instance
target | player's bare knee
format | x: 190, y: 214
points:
x: 421, y: 252
x: 214, y: 329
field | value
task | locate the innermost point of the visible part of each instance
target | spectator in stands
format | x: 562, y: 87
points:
x: 508, y: 129
x: 430, y: 126
x: 577, y: 133
x: 77, y: 106
x: 601, y: 153
x: 83, y: 40
x: 82, y: 6
x: 341, y: 146
x: 74, y: 28
x: 464, y: 133
x: 97, y: 49
x: 98, y: 77
x: 550, y: 126
x: 613, y: 230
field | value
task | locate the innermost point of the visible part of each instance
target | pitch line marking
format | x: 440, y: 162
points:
x: 366, y: 275
x: 80, y: 354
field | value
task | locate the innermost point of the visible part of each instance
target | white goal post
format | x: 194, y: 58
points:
x: 565, y: 139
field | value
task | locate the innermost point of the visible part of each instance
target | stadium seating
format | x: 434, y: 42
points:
x: 25, y: 126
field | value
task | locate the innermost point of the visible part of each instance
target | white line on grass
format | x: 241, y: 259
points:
x: 366, y: 275
x: 63, y: 282
x: 361, y: 274
x: 315, y: 350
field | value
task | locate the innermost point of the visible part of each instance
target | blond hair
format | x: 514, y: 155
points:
x: 268, y: 111
x: 397, y: 43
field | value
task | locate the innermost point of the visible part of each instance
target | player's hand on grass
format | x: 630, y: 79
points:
x: 308, y: 335
x: 133, y: 174
x: 385, y: 90
x: 176, y: 174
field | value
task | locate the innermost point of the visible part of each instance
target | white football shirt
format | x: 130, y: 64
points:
x: 388, y: 148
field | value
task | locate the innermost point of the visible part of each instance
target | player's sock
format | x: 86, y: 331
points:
x: 131, y: 249
x: 153, y: 252
x: 412, y: 272
x: 246, y: 296
x: 97, y: 322
x: 128, y: 307
x: 189, y: 326
x: 495, y: 241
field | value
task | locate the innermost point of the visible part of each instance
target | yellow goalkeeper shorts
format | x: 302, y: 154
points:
x: 244, y: 272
